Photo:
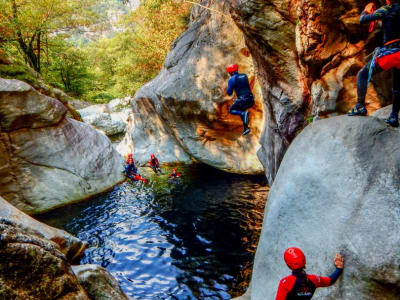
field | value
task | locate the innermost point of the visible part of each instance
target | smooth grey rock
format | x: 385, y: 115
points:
x: 383, y: 113
x: 23, y: 107
x: 45, y: 161
x: 98, y: 283
x: 337, y: 190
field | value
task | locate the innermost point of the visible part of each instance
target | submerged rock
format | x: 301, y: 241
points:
x: 32, y: 268
x: 99, y: 283
x: 46, y: 159
x: 337, y: 190
x: 183, y: 112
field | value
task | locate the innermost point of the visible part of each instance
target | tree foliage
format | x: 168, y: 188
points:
x: 44, y: 34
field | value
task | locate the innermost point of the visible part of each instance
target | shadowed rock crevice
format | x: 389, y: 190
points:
x: 307, y: 55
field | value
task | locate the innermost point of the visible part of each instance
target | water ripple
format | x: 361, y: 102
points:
x: 195, y: 240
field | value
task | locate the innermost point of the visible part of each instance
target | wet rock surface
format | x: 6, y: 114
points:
x: 32, y: 267
x: 47, y: 159
x: 99, y: 283
x: 337, y: 190
x: 69, y: 245
x: 183, y: 113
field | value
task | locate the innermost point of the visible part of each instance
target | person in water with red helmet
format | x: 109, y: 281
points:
x: 174, y: 174
x: 386, y: 57
x: 154, y: 164
x: 300, y: 285
x: 131, y: 170
x: 239, y: 83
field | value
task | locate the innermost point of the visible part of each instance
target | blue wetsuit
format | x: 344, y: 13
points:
x: 390, y: 17
x: 245, y: 99
x: 130, y: 170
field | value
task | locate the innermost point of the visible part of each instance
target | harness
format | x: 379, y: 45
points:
x: 303, y: 288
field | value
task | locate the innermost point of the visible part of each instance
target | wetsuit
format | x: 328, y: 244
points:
x: 390, y: 17
x: 155, y: 165
x: 131, y: 171
x: 300, y: 286
x: 245, y: 99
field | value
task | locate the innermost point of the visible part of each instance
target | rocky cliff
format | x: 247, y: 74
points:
x: 47, y: 159
x: 183, y: 112
x: 302, y: 57
x: 307, y: 54
x: 337, y: 190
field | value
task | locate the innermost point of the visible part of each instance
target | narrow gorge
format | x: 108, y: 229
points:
x: 307, y: 175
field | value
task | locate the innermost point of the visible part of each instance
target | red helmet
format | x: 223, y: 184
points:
x: 152, y: 156
x: 130, y: 155
x: 294, y: 258
x: 173, y: 170
x: 232, y: 68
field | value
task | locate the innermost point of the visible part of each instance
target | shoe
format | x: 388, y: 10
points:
x: 394, y: 122
x: 246, y: 118
x: 358, y: 110
x: 246, y: 131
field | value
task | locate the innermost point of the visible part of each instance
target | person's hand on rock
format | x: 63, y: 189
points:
x: 339, y: 261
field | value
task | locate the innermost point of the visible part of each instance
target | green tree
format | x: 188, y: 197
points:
x: 32, y: 24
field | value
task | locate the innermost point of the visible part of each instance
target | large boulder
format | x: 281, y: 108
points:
x: 307, y: 54
x: 32, y: 267
x: 183, y: 112
x: 69, y: 245
x: 46, y: 159
x: 99, y: 283
x: 337, y: 190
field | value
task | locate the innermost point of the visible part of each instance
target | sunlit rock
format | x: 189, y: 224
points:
x: 337, y: 190
x: 183, y: 113
x: 46, y: 159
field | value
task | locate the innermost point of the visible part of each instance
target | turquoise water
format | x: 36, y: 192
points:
x: 194, y: 239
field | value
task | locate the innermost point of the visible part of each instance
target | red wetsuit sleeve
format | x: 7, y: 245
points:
x: 320, y: 281
x: 285, y: 286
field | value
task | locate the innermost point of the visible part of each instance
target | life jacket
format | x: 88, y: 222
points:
x: 303, y: 288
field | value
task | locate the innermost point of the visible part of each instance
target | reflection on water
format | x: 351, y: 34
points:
x: 191, y: 240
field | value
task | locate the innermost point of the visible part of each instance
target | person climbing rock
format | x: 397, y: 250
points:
x: 154, y: 164
x: 300, y: 285
x: 245, y: 99
x: 131, y: 170
x: 384, y: 58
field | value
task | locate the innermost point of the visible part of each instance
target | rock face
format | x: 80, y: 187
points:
x: 69, y: 245
x: 111, y: 118
x: 183, y: 112
x: 46, y: 159
x: 32, y: 267
x: 99, y: 283
x: 307, y: 55
x: 337, y: 190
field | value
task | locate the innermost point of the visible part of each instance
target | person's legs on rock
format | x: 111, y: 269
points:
x: 393, y: 119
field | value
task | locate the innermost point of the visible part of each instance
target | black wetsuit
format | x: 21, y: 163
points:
x: 245, y: 99
x: 390, y: 17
